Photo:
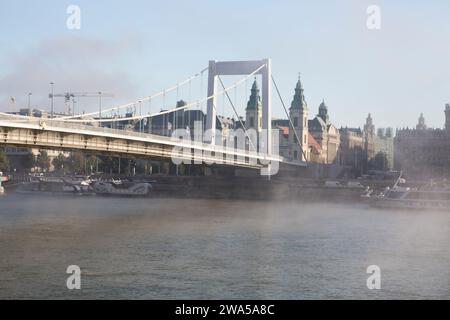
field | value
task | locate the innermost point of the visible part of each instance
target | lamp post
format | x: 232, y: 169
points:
x: 100, y: 107
x: 29, y: 103
x: 140, y: 114
x: 51, y: 109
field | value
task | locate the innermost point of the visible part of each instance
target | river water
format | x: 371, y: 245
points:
x: 218, y: 249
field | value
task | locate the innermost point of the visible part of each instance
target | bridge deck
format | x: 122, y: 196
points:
x: 53, y: 134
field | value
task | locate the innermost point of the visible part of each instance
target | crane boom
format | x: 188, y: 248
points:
x: 72, y: 95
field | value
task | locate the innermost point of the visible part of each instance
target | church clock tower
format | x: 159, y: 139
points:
x: 299, y: 116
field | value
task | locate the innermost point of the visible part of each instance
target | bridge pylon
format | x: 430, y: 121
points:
x: 218, y: 68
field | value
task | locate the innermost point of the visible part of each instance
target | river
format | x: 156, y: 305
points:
x: 218, y: 249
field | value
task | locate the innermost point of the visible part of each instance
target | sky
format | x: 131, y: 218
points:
x: 135, y: 48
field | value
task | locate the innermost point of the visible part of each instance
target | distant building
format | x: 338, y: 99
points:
x: 369, y: 142
x: 424, y: 153
x: 298, y: 113
x: 384, y: 143
x: 326, y: 135
x: 253, y: 112
x: 352, y: 149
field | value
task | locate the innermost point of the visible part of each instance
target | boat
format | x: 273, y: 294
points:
x: 123, y: 189
x: 405, y: 198
x: 400, y: 197
x: 54, y: 185
x: 3, y: 179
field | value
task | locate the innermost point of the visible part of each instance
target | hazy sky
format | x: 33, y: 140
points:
x: 134, y: 48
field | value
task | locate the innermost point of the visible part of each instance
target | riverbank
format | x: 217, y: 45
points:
x: 227, y: 187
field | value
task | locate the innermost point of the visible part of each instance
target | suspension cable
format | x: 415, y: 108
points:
x: 237, y: 115
x: 160, y: 93
x: 289, y: 118
x: 187, y: 106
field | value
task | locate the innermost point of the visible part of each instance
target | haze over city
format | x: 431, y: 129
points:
x: 136, y: 48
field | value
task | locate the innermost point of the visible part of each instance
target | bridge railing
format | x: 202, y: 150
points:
x: 56, y: 125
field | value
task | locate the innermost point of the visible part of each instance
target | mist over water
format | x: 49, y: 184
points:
x: 218, y: 249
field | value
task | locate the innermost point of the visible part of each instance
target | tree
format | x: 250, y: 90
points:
x: 4, y: 162
x: 43, y: 161
x: 75, y: 162
x: 28, y: 161
x: 379, y: 162
x: 59, y: 163
x: 110, y: 164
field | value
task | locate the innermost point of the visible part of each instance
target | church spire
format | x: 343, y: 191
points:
x: 299, y: 101
x: 421, y: 125
x: 254, y: 101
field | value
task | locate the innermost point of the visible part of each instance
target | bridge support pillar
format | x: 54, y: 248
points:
x: 217, y: 68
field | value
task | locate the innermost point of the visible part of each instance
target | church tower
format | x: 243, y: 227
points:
x: 421, y: 124
x: 323, y: 112
x: 447, y: 117
x: 253, y: 112
x: 369, y: 142
x: 298, y: 113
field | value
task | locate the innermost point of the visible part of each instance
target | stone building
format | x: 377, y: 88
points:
x: 298, y: 114
x: 384, y: 143
x: 424, y: 153
x: 352, y: 152
x: 326, y: 135
x: 253, y: 112
x: 369, y: 142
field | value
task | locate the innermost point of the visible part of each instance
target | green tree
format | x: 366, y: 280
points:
x: 379, y: 162
x: 4, y: 162
x: 59, y: 163
x: 28, y: 162
x: 43, y: 161
x: 110, y: 164
x: 75, y: 162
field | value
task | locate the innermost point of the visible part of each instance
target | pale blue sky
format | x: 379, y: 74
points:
x: 134, y: 48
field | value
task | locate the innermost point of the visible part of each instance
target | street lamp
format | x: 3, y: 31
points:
x: 29, y: 103
x: 100, y: 108
x: 51, y: 112
x: 140, y: 114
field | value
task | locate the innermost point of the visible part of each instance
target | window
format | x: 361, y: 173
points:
x: 295, y: 155
x: 252, y: 122
x: 295, y: 121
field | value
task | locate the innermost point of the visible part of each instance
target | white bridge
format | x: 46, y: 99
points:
x: 83, y: 132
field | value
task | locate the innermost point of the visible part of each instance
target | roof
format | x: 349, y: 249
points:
x: 313, y: 144
x: 284, y: 129
x: 317, y: 124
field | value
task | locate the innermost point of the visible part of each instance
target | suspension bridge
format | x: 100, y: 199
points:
x: 98, y: 133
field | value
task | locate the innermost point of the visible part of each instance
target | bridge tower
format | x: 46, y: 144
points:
x: 217, y: 68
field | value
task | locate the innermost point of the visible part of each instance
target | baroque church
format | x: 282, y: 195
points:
x: 315, y: 140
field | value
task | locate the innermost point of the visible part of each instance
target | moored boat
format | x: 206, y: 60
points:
x: 405, y: 198
x: 116, y: 188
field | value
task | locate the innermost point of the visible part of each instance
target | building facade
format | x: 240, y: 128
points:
x: 424, y: 153
x: 326, y: 135
x: 298, y: 137
x: 384, y: 144
x: 352, y: 152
